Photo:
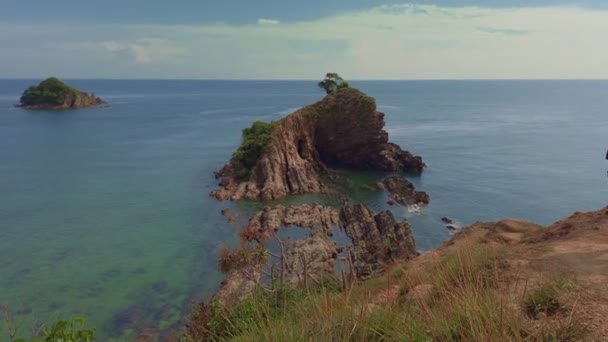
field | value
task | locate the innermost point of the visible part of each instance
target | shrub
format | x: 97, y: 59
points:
x: 72, y: 330
x: 244, y: 256
x: 254, y: 140
x: 542, y: 299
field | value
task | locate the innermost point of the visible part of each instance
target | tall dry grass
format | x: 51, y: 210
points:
x: 460, y: 297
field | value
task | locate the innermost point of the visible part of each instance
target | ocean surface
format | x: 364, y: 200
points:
x: 105, y: 212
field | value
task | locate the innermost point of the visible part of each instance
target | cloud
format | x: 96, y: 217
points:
x: 512, y: 32
x: 384, y: 42
x: 262, y: 21
x: 141, y: 51
x: 113, y: 46
x: 147, y: 50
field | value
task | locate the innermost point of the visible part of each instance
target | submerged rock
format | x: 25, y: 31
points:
x: 342, y: 130
x: 232, y: 218
x: 447, y: 220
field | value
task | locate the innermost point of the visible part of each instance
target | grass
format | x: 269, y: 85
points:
x: 462, y: 296
x: 542, y: 299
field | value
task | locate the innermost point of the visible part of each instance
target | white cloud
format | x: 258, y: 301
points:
x: 263, y: 21
x: 147, y: 50
x: 113, y: 46
x: 386, y: 42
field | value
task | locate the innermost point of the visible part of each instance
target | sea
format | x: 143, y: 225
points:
x: 105, y: 212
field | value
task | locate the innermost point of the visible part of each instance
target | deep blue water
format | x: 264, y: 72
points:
x: 105, y: 212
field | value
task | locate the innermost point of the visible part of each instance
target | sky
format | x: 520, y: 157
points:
x: 284, y: 39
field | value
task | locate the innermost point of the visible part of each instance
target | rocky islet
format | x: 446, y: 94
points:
x: 304, y: 151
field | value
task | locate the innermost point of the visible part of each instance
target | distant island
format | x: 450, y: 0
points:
x: 54, y: 94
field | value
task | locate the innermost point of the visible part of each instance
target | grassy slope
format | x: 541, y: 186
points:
x: 505, y: 281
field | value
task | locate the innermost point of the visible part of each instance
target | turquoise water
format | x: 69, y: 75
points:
x: 105, y: 212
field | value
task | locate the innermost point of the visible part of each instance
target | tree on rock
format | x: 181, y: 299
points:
x: 332, y: 82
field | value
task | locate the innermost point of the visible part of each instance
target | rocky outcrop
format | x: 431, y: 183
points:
x: 320, y: 220
x: 312, y: 257
x: 376, y: 239
x: 403, y: 192
x: 342, y: 130
x: 317, y: 253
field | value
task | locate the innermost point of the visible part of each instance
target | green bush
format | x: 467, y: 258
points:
x: 49, y: 91
x: 73, y: 330
x: 254, y: 140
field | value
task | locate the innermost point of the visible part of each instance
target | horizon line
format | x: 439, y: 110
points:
x: 300, y: 80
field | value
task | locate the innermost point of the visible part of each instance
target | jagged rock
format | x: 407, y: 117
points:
x: 319, y: 254
x: 403, y: 192
x: 447, y: 220
x: 342, y: 130
x: 317, y: 251
x: 319, y: 219
x: 377, y: 240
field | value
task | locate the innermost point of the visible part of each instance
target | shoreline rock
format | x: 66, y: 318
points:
x: 403, y: 192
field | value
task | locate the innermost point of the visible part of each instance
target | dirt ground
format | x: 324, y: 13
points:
x: 575, y: 248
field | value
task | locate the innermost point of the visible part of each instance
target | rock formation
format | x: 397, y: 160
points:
x: 52, y: 94
x: 342, y: 130
x: 319, y: 219
x: 317, y: 251
x: 403, y: 192
x: 377, y: 239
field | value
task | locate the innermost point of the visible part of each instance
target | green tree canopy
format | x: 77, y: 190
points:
x: 255, y: 139
x: 50, y: 91
x: 332, y: 82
